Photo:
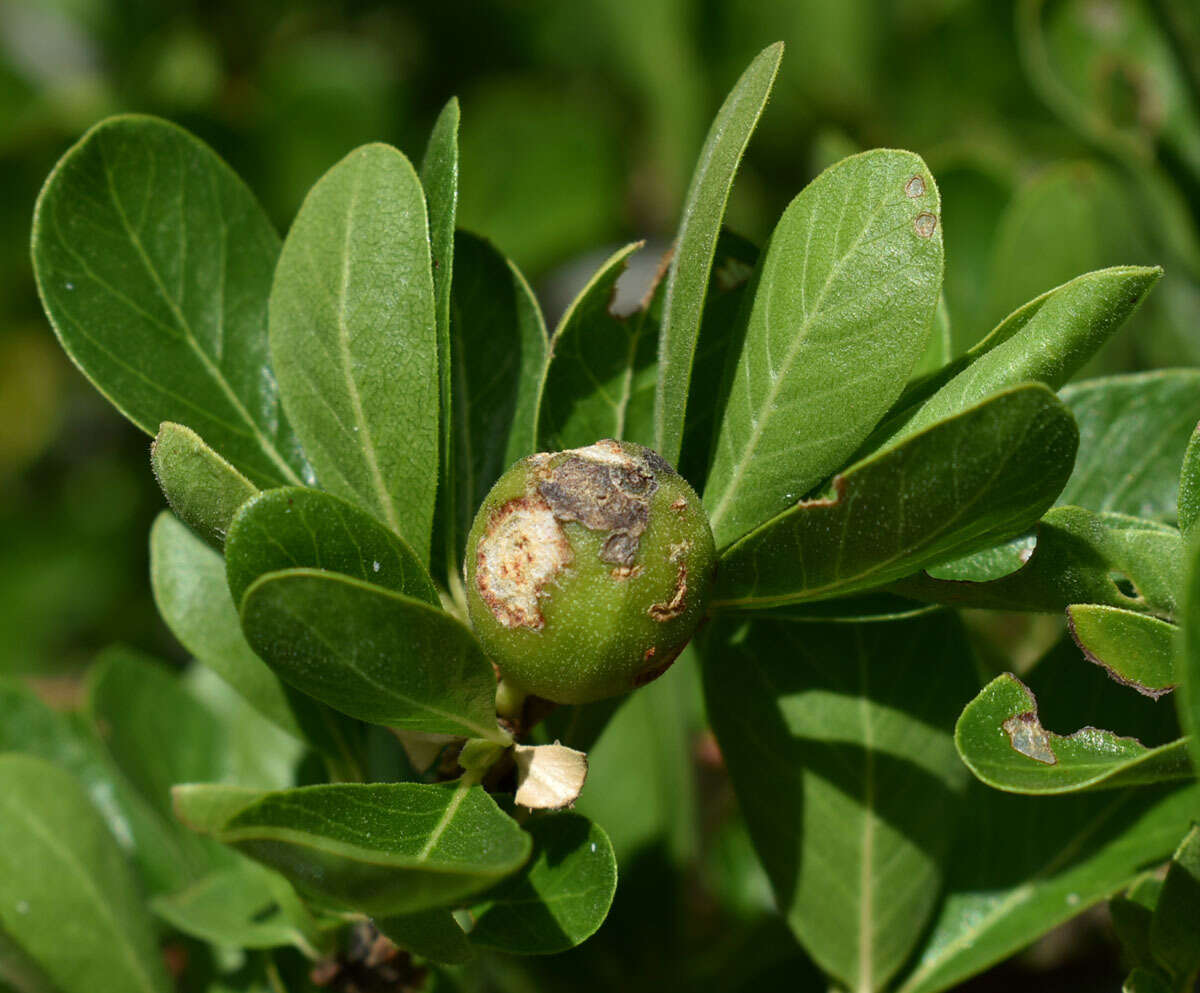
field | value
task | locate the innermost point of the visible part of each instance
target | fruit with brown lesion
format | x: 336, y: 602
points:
x: 587, y: 571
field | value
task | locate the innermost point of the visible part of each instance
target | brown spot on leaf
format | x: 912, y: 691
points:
x: 915, y: 187
x: 925, y: 224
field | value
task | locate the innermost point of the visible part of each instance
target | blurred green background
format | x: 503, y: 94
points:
x: 1065, y: 136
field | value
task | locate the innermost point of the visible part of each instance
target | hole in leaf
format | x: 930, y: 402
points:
x: 1125, y: 585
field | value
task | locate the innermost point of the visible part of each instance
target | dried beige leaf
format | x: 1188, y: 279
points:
x: 549, y: 777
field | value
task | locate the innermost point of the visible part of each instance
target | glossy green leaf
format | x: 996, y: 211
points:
x: 976, y: 478
x: 1189, y: 485
x: 1176, y: 924
x: 1134, y: 649
x: 354, y: 339
x: 162, y: 856
x: 293, y: 527
x: 154, y: 262
x: 439, y: 177
x: 726, y: 308
x: 69, y: 903
x: 1133, y: 431
x: 559, y: 899
x: 703, y: 211
x: 1080, y: 557
x: 1047, y: 341
x: 498, y: 349
x: 202, y: 488
x: 380, y: 849
x: 989, y: 563
x: 1001, y: 739
x: 600, y: 379
x: 431, y: 934
x: 842, y: 313
x: 374, y: 654
x: 838, y: 742
x: 1016, y: 873
x: 245, y: 906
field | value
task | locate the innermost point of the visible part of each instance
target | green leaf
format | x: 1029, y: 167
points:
x: 380, y: 849
x: 245, y: 906
x: 1133, y: 431
x: 431, y: 934
x: 600, y: 378
x: 68, y: 900
x: 1176, y: 923
x: 1016, y: 873
x: 1080, y: 557
x: 847, y: 293
x: 652, y: 731
x: 1134, y: 649
x: 940, y: 351
x: 726, y: 308
x: 154, y: 262
x: 1189, y: 485
x: 559, y: 899
x: 202, y: 488
x: 1187, y: 696
x: 155, y: 730
x: 962, y: 484
x: 498, y: 356
x: 1047, y: 340
x: 1001, y: 739
x: 1145, y: 981
x: 295, y: 527
x: 703, y: 211
x: 354, y: 339
x: 837, y: 739
x: 255, y: 751
x: 190, y: 590
x: 164, y: 860
x: 374, y: 654
x: 989, y: 563
x: 439, y: 177
x: 1132, y: 914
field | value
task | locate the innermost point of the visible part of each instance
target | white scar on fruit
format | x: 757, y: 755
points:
x: 601, y: 487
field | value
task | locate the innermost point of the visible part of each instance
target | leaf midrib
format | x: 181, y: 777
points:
x: 800, y: 338
x: 366, y: 443
x: 213, y: 370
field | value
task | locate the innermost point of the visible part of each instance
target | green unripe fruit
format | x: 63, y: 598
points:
x: 587, y: 571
